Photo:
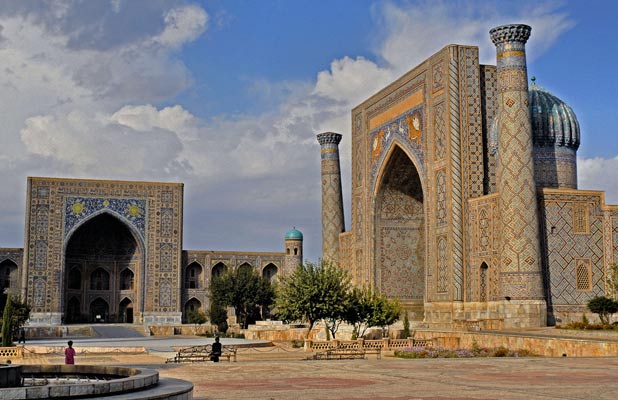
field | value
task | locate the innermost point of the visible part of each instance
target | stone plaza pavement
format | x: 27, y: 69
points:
x: 286, y: 375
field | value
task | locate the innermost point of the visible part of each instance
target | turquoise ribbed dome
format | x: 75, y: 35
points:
x: 294, y: 234
x: 553, y: 122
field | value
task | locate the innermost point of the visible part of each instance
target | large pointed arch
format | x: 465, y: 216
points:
x: 117, y: 252
x: 400, y: 229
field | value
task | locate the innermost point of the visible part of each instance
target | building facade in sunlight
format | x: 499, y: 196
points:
x: 464, y: 195
x: 111, y: 251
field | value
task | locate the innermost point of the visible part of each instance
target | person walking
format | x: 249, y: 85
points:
x: 69, y: 353
x: 22, y: 336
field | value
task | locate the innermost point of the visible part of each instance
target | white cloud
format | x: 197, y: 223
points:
x: 81, y: 101
x: 182, y: 25
x: 592, y: 174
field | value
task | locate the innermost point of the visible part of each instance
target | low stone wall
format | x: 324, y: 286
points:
x: 11, y: 353
x: 86, y: 350
x: 543, y: 346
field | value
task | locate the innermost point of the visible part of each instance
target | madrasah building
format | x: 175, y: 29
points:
x: 464, y: 206
x: 464, y: 195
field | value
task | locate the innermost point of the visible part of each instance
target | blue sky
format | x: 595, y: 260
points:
x: 227, y: 96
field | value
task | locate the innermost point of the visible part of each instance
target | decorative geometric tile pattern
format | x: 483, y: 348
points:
x: 167, y: 221
x: 564, y: 247
x: 518, y: 202
x: 400, y: 242
x: 80, y: 208
x: 332, y: 201
x: 438, y: 73
x: 441, y: 198
x: 134, y: 204
x: 442, y: 278
x: 439, y: 130
x: 583, y: 274
x: 407, y: 128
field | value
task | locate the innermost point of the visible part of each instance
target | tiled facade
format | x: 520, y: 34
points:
x: 447, y: 214
x: 111, y: 251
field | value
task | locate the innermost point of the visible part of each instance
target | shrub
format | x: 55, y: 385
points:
x: 604, y: 306
x: 476, y: 351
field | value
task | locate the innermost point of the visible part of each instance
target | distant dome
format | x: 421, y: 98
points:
x: 294, y: 234
x: 553, y: 122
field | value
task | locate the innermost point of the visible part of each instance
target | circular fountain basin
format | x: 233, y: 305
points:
x: 87, y: 381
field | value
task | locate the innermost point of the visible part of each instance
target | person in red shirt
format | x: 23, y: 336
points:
x: 69, y: 354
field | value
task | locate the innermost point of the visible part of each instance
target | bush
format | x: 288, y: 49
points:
x: 476, y: 351
x: 604, y: 306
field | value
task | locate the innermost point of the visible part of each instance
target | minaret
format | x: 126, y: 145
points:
x: 293, y: 251
x: 332, y: 198
x: 521, y: 276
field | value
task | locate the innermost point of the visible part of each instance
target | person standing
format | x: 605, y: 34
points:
x: 69, y: 353
x: 22, y: 336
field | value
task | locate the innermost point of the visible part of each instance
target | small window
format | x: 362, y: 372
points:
x: 581, y: 219
x: 295, y: 251
x: 583, y: 274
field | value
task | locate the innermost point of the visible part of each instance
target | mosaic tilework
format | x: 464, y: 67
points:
x: 565, y: 248
x: 520, y: 250
x: 439, y: 130
x: 71, y: 202
x: 407, y: 128
x: 489, y: 107
x: 458, y: 174
x: 208, y: 259
x: 400, y: 232
x: 442, y: 270
x: 79, y: 208
x: 438, y: 72
x: 332, y: 200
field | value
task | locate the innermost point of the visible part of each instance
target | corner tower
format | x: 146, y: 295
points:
x: 521, y: 277
x: 332, y: 198
x: 293, y: 250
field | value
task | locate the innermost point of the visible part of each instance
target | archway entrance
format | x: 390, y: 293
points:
x: 102, y: 260
x: 126, y: 311
x: 99, y: 311
x: 400, y: 233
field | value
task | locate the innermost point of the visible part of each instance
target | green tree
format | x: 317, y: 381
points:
x: 245, y: 290
x: 20, y: 312
x: 367, y: 309
x: 218, y: 316
x: 196, y: 317
x: 604, y: 306
x: 359, y: 309
x: 406, y: 325
x: 385, y: 312
x: 7, y: 339
x: 313, y: 292
x: 612, y: 280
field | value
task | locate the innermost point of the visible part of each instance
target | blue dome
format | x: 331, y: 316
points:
x: 294, y: 234
x: 553, y: 122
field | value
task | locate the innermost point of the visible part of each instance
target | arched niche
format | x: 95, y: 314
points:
x: 193, y: 276
x: 103, y: 256
x: 8, y: 274
x: 269, y: 272
x: 399, y: 217
x: 218, y: 269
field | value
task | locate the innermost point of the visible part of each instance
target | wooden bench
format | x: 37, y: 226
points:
x: 201, y: 354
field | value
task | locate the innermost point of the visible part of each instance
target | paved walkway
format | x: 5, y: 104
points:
x: 282, y: 373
